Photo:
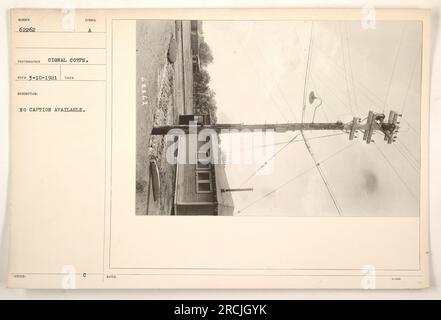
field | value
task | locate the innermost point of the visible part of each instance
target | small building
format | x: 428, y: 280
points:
x: 200, y: 184
x: 198, y: 118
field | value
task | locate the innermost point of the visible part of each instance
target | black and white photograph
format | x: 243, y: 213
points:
x: 233, y: 149
x: 278, y: 118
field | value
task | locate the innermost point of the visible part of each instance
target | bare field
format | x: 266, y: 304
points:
x: 155, y: 106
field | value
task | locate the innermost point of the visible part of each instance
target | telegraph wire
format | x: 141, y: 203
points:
x: 332, y: 92
x: 352, y: 73
x: 367, y: 92
x: 267, y: 161
x: 393, y: 68
x: 408, y: 151
x: 284, y: 142
x: 277, y: 85
x: 269, y: 93
x: 409, y: 83
x: 308, y: 147
x: 296, y: 177
x: 396, y: 172
x: 411, y: 163
x: 345, y: 69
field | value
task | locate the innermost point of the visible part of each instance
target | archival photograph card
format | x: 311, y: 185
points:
x: 215, y: 148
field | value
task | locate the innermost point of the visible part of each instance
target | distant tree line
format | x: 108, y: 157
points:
x: 204, y: 96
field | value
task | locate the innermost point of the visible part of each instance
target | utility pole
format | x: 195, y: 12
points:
x: 374, y: 122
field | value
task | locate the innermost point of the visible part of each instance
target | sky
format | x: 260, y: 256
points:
x: 259, y: 73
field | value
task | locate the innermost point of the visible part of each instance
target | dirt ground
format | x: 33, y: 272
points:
x: 155, y: 106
